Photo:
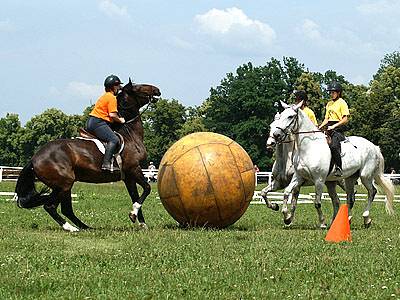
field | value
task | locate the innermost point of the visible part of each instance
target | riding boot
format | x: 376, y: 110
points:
x: 107, y: 164
x: 338, y: 162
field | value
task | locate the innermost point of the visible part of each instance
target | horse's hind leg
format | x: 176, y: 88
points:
x: 331, y: 186
x: 319, y: 186
x: 67, y: 210
x: 51, y: 208
x: 367, y: 182
x: 350, y: 195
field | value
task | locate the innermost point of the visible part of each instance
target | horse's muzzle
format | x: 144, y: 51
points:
x: 271, y: 143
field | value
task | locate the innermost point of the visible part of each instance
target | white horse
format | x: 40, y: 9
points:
x: 282, y: 173
x: 312, y: 162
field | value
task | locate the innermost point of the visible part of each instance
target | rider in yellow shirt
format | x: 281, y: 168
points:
x: 302, y: 96
x: 103, y: 114
x: 337, y: 115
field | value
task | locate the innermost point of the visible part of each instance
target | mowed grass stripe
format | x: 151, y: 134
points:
x: 255, y: 258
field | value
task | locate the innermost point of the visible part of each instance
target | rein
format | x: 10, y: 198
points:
x: 140, y: 114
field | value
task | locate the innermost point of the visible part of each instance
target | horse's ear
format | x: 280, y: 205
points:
x: 277, y: 116
x: 130, y: 81
x: 284, y: 105
x: 297, y: 106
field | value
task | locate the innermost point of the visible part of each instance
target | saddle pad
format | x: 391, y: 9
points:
x: 99, y: 144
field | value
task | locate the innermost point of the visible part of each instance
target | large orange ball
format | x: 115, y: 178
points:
x: 206, y: 179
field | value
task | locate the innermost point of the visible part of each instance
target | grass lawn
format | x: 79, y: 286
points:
x: 256, y: 258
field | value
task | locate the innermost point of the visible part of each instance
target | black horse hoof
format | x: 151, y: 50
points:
x: 275, y: 207
x: 287, y: 221
x: 132, y: 217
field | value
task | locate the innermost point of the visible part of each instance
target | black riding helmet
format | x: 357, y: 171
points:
x: 334, y: 87
x: 111, y: 81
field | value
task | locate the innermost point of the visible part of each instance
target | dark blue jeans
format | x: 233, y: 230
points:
x: 102, y: 130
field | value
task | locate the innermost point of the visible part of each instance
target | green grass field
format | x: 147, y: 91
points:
x: 256, y: 258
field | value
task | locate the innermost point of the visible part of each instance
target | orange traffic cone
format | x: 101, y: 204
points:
x: 340, y: 228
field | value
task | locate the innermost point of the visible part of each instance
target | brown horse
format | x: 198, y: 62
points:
x: 60, y: 163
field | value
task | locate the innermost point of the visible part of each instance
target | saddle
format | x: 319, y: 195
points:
x: 101, y: 145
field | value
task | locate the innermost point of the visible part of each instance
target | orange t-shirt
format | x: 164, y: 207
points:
x: 104, y: 106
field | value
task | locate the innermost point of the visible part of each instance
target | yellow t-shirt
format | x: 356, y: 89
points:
x: 336, y: 110
x: 104, y: 106
x: 308, y: 111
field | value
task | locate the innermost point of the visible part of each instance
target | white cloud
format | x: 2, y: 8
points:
x: 84, y: 90
x: 112, y: 10
x: 180, y: 43
x: 6, y: 26
x: 233, y: 25
x: 311, y: 29
x: 379, y: 7
x: 349, y: 43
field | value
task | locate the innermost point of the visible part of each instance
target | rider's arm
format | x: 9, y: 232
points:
x: 324, y: 122
x: 340, y: 123
x: 116, y: 117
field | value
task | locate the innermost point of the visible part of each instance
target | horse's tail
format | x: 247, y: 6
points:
x: 385, y: 183
x: 27, y: 195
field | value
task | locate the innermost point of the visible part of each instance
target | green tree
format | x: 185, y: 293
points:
x: 193, y: 121
x: 50, y: 125
x: 377, y: 112
x: 390, y: 59
x: 309, y: 83
x: 10, y: 136
x: 242, y: 106
x: 162, y: 124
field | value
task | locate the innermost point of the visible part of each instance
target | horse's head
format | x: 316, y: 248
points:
x: 283, y: 124
x: 134, y: 96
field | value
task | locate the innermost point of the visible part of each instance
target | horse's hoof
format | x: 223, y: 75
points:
x: 350, y: 217
x: 275, y: 207
x: 323, y: 226
x: 132, y: 216
x: 288, y: 221
x: 143, y: 226
x: 367, y: 223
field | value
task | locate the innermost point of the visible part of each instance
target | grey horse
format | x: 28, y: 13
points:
x: 312, y: 157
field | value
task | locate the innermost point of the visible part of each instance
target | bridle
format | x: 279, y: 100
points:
x: 150, y: 101
x: 287, y: 131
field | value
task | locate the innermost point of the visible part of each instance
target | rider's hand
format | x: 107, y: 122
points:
x: 331, y: 127
x: 122, y: 120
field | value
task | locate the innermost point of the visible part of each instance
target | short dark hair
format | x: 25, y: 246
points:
x: 301, y: 96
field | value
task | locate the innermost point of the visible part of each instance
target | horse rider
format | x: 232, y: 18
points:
x: 301, y: 95
x: 336, y: 116
x: 103, y: 114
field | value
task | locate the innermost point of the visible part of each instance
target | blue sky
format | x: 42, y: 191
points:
x: 57, y: 53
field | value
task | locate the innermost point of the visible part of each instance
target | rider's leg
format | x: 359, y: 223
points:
x: 103, y: 131
x: 336, y: 149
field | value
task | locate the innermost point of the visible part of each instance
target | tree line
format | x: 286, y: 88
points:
x: 241, y: 107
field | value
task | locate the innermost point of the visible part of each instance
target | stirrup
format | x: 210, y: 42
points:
x: 338, y: 172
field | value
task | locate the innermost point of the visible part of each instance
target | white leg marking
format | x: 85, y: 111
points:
x: 69, y: 227
x: 366, y: 214
x: 136, y: 206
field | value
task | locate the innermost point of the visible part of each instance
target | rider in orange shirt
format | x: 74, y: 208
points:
x: 103, y: 114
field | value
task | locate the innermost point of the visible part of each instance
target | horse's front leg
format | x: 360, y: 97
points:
x: 270, y: 188
x: 137, y: 202
x: 294, y: 185
x: 295, y: 197
x: 319, y: 186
